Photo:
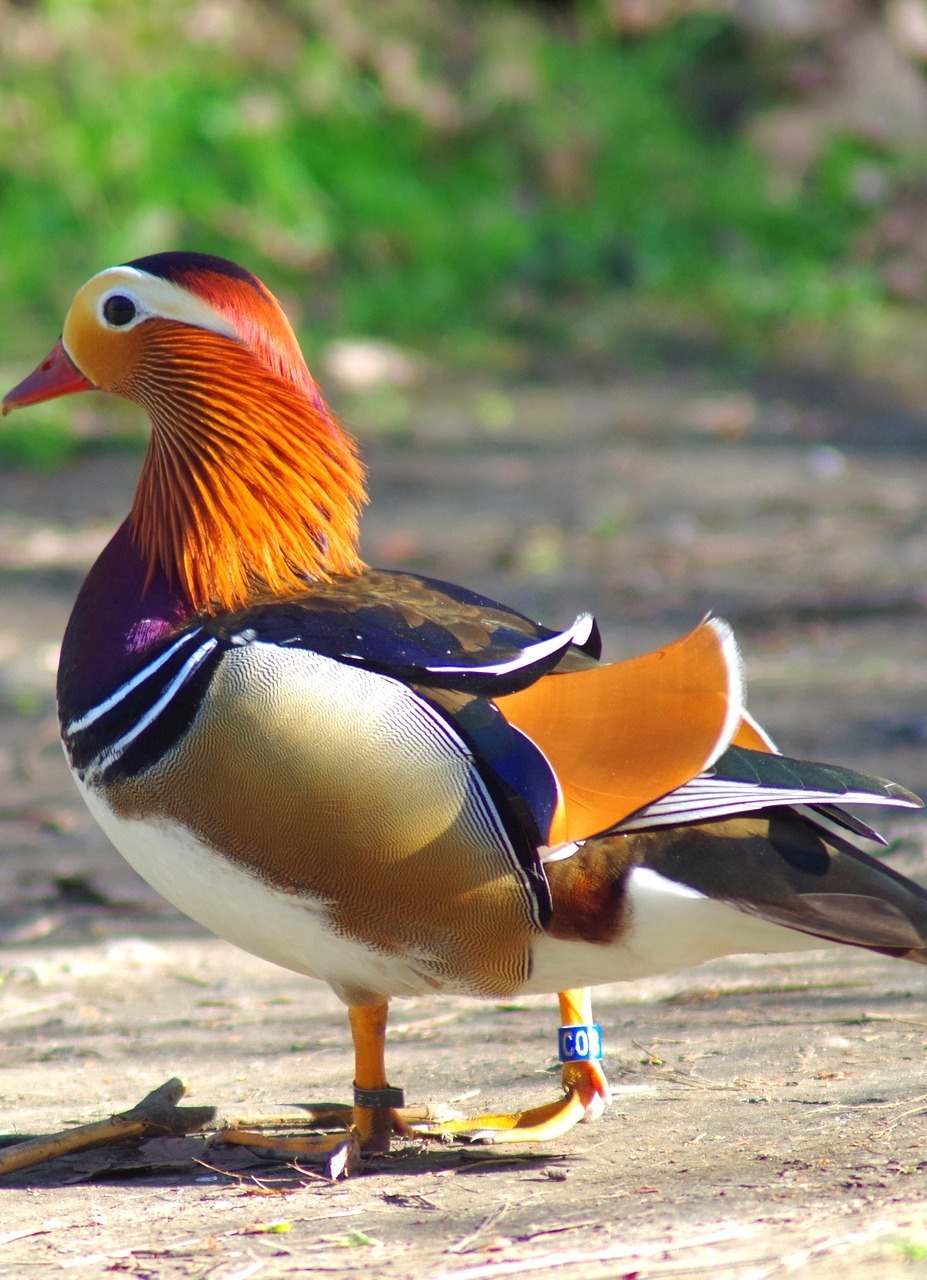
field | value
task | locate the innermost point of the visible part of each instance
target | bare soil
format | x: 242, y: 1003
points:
x: 769, y: 1117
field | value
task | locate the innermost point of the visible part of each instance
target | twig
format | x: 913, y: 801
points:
x: 39, y: 1006
x: 327, y: 1115
x: 535, y: 1232
x: 157, y: 1113
x: 52, y: 1224
x: 465, y: 1243
x: 611, y: 1253
x: 495, y: 1155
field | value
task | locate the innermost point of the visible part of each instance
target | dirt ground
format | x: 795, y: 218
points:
x: 770, y: 1117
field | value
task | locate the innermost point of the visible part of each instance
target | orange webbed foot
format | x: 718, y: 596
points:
x: 586, y: 1090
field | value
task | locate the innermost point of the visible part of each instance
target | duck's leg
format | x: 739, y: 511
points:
x: 581, y: 1055
x: 374, y: 1117
x: 586, y: 1090
x: 375, y: 1101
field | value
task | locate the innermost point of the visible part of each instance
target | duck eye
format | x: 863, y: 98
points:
x: 118, y: 310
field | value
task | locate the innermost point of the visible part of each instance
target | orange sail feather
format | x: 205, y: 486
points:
x: 620, y: 736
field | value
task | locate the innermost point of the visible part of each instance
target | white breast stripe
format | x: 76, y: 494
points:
x: 103, y: 761
x: 90, y: 717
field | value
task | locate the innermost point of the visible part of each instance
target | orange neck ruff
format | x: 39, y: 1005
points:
x: 249, y: 487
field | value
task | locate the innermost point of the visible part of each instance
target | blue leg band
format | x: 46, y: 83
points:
x: 580, y: 1043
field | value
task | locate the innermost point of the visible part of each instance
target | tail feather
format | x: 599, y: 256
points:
x: 829, y: 816
x: 782, y: 867
x: 777, y: 866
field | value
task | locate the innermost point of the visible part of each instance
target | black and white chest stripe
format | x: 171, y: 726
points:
x: 133, y: 727
x: 145, y: 715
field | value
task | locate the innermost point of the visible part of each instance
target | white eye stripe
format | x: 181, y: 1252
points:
x: 153, y: 297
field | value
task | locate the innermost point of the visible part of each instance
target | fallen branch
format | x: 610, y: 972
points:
x: 339, y: 1152
x: 156, y: 1114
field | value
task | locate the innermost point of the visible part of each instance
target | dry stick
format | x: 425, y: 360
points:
x: 157, y: 1113
x: 331, y: 1114
x: 613, y: 1252
x: 340, y: 1152
x: 298, y: 1144
x: 465, y: 1243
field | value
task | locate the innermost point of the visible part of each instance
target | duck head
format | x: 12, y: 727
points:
x: 249, y: 487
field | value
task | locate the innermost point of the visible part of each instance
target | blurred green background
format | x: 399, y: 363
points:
x: 501, y: 184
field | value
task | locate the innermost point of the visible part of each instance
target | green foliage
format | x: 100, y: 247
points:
x: 41, y: 438
x: 407, y: 169
x: 912, y: 1250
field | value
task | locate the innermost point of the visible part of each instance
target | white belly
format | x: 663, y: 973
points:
x: 287, y: 930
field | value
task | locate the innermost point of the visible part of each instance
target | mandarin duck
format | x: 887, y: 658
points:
x: 392, y: 783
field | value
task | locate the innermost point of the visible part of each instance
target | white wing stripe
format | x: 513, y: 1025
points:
x: 537, y: 652
x: 704, y: 798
